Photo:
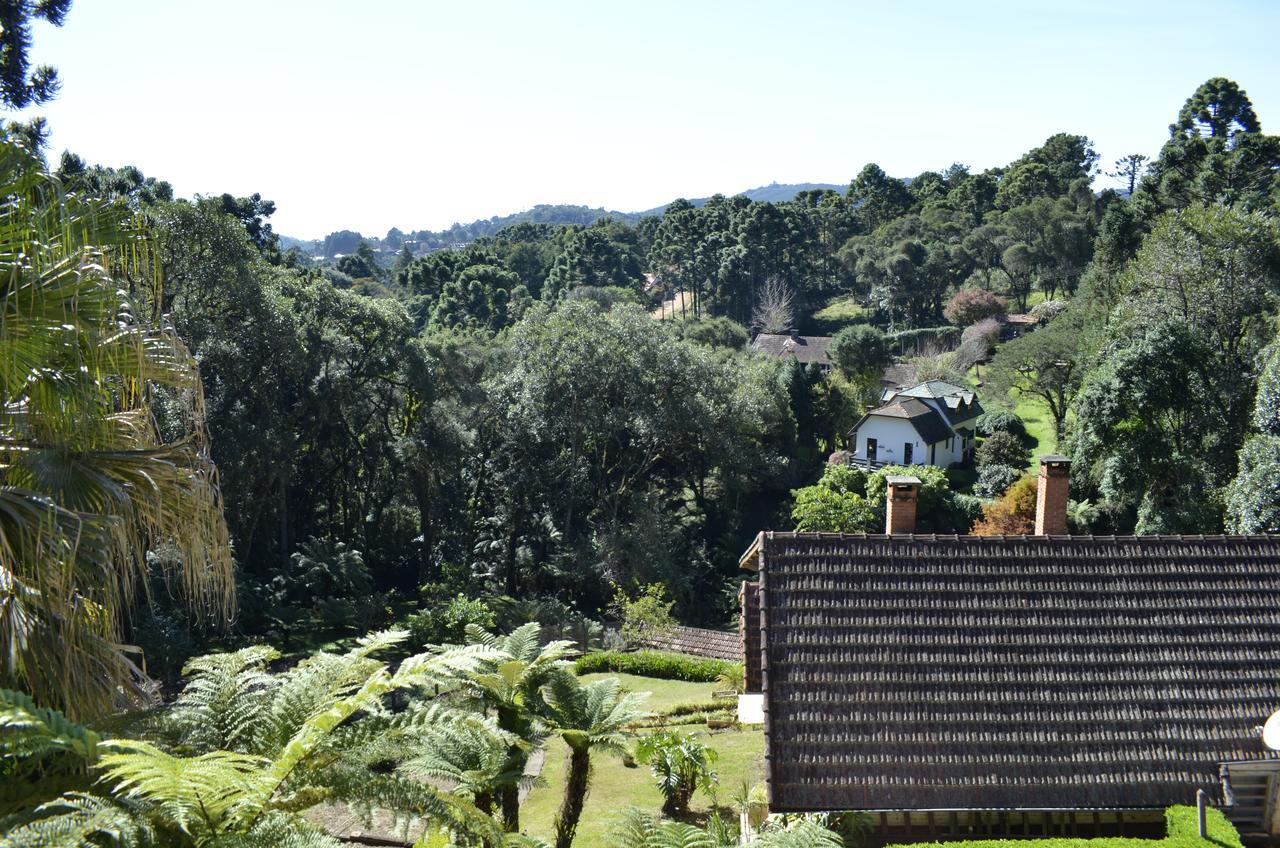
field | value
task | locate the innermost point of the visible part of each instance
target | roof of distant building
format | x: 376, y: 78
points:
x: 807, y: 349
x: 899, y: 374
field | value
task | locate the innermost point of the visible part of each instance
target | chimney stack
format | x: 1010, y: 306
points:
x: 1051, y: 495
x: 900, y: 514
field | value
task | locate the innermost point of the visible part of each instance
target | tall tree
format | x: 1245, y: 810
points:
x: 20, y: 84
x: 1130, y: 169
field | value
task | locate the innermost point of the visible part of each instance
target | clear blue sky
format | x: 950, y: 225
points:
x: 365, y: 115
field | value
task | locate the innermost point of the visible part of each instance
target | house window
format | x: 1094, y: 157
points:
x: 906, y: 453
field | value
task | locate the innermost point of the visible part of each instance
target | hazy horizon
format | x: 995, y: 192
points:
x: 421, y: 116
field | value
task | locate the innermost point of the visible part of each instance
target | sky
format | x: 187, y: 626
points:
x: 416, y: 114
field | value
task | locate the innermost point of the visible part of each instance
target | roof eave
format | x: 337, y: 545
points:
x: 750, y: 560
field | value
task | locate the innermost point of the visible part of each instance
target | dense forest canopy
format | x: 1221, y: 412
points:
x: 505, y: 416
x: 510, y: 417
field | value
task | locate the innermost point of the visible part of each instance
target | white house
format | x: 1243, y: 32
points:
x: 931, y: 423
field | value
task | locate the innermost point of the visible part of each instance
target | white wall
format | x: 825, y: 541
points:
x: 892, y: 433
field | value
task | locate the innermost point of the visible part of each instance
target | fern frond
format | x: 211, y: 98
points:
x: 806, y: 834
x: 42, y: 752
x: 82, y: 821
x: 419, y: 802
x: 307, y: 690
x: 222, y: 704
x: 639, y: 829
x: 196, y: 794
x: 277, y: 830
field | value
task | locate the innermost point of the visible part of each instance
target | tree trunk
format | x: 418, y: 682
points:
x: 511, y: 808
x: 575, y: 794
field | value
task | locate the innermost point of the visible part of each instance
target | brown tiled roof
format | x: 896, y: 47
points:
x: 923, y: 672
x: 698, y: 642
x: 899, y: 375
x: 924, y: 418
x: 807, y: 349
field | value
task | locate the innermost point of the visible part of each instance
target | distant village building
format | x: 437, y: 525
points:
x: 1044, y: 685
x: 931, y: 423
x: 806, y: 349
x: 1014, y: 325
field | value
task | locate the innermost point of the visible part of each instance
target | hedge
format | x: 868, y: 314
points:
x: 907, y: 342
x: 1182, y: 831
x: 661, y: 664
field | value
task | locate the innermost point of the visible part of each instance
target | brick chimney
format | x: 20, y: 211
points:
x: 900, y: 512
x: 1051, y: 495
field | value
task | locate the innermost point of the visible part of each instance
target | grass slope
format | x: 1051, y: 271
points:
x: 614, y: 787
x: 1035, y: 414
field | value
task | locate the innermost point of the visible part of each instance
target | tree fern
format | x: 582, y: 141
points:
x: 199, y: 795
x: 639, y: 829
x: 222, y: 702
x: 42, y: 752
x: 79, y: 821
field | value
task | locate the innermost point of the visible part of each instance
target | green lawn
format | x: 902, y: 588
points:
x: 841, y: 309
x: 664, y: 693
x: 614, y: 787
x: 1035, y: 415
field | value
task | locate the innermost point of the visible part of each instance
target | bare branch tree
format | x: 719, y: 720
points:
x: 774, y: 312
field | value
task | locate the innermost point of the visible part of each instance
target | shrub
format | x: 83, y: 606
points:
x: 994, y: 480
x: 969, y: 306
x: 985, y: 333
x: 1013, y: 514
x: 660, y: 664
x: 681, y: 764
x: 1001, y: 448
x: 1182, y: 831
x: 907, y: 342
x: 447, y: 623
x: 648, y: 614
x: 714, y: 332
x: 325, y: 584
x: 860, y: 351
x: 1001, y: 421
x: 1047, y: 310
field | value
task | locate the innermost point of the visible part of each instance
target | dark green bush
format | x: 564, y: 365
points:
x: 908, y: 342
x: 1001, y: 421
x: 994, y: 480
x: 1001, y: 448
x: 447, y: 623
x: 659, y: 664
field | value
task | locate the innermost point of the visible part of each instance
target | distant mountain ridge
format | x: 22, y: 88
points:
x: 344, y: 241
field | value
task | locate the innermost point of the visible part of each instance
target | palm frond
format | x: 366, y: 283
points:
x: 87, y: 482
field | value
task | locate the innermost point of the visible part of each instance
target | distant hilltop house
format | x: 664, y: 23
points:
x: 1048, y: 685
x: 930, y: 423
x: 807, y: 349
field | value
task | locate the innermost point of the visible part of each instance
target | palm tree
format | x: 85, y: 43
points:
x: 87, y: 481
x: 590, y: 717
x: 510, y: 683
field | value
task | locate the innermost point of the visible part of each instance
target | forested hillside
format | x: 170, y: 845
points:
x: 508, y: 418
